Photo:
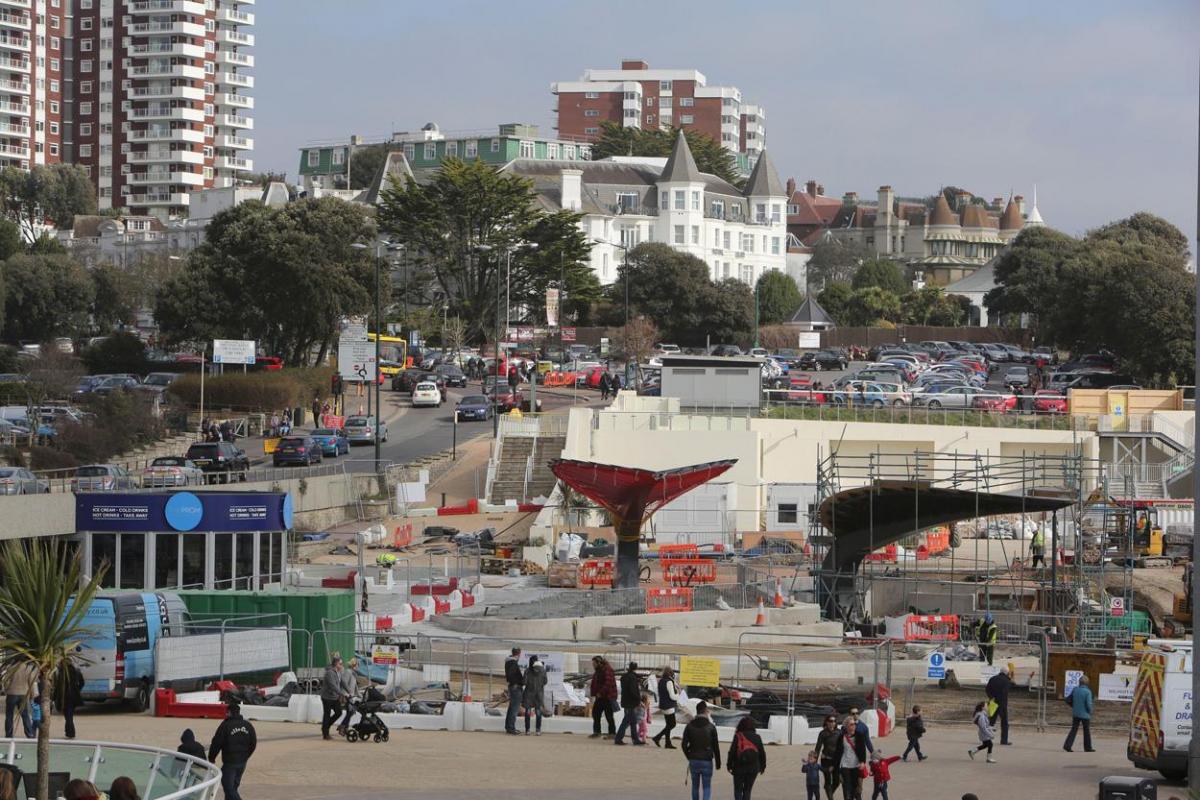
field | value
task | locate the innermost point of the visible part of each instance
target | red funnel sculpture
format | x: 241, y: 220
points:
x: 630, y: 496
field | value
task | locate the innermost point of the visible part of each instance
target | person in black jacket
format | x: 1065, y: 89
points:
x: 747, y: 759
x: 914, y: 729
x: 189, y: 746
x: 827, y: 744
x: 516, y: 690
x: 997, y: 689
x: 68, y: 695
x: 702, y: 750
x: 631, y: 700
x: 668, y: 696
x: 850, y: 756
x: 235, y: 741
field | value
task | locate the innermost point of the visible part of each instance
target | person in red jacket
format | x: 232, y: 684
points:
x: 604, y: 696
x: 882, y: 773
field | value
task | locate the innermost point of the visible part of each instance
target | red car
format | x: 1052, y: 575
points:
x: 269, y: 363
x: 994, y: 401
x: 800, y: 390
x: 1047, y: 401
x: 972, y: 362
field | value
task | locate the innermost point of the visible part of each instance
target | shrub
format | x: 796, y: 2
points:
x: 255, y: 391
x: 121, y: 352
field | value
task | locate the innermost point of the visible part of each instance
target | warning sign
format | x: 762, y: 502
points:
x: 385, y: 655
x: 1116, y: 606
x: 697, y: 671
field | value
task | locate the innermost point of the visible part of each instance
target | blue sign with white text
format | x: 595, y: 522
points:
x: 183, y: 511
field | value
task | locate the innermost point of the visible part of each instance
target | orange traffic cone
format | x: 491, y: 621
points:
x: 778, y: 594
x: 761, y: 618
x: 466, y: 695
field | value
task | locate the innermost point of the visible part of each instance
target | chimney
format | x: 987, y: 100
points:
x: 811, y: 188
x: 791, y: 187
x: 998, y: 203
x: 572, y: 189
x: 1020, y: 201
x: 850, y: 199
x: 634, y: 63
x: 962, y: 200
x: 820, y: 189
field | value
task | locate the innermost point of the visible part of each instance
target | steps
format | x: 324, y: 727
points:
x: 542, y: 481
x: 509, y: 481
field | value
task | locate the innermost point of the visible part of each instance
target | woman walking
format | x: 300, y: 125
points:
x: 852, y: 758
x: 747, y: 759
x: 827, y: 746
x: 535, y: 692
x: 604, y: 696
x: 668, y: 696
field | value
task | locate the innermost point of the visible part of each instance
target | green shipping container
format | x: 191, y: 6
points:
x: 306, y: 607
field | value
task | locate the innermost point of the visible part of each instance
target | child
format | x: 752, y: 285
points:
x: 643, y: 717
x: 881, y: 772
x: 812, y: 776
x: 985, y: 733
x: 914, y: 729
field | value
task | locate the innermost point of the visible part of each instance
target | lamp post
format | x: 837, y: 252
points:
x: 379, y: 246
x: 508, y: 251
x: 756, y: 285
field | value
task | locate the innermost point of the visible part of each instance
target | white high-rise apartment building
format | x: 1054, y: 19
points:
x: 150, y: 96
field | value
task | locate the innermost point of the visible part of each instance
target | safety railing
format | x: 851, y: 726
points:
x: 158, y: 774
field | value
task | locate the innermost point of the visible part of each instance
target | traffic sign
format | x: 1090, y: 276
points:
x: 356, y: 361
x: 354, y: 331
x: 937, y: 664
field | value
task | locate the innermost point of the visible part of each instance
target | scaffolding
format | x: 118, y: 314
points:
x: 1071, y: 594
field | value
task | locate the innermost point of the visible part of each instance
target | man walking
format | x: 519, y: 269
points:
x: 997, y: 691
x: 1037, y: 546
x: 989, y: 631
x: 605, y: 384
x: 68, y: 695
x: 702, y: 750
x: 17, y: 696
x: 631, y: 700
x: 516, y: 689
x: 1081, y: 714
x: 333, y: 694
x: 234, y: 741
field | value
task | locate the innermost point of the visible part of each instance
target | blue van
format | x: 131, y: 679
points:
x: 117, y: 646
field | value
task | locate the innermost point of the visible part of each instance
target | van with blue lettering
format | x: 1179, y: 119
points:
x: 117, y: 646
x: 1160, y: 728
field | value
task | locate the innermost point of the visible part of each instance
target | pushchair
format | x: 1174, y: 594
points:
x: 369, y: 725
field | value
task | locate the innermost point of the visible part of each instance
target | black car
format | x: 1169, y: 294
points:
x: 406, y: 380
x: 452, y: 376
x: 473, y: 407
x: 725, y: 350
x: 823, y: 359
x: 220, y: 461
x: 433, y: 377
x: 298, y: 450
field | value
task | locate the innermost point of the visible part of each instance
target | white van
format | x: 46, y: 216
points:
x: 1160, y: 726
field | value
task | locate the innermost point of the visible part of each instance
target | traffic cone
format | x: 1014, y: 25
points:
x: 761, y: 618
x: 466, y: 695
x: 778, y: 594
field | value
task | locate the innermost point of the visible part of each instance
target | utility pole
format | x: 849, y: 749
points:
x: 1194, y: 745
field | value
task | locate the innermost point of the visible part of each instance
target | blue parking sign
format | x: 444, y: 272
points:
x: 937, y: 665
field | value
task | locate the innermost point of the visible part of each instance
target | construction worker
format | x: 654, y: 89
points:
x: 1037, y: 546
x: 989, y: 632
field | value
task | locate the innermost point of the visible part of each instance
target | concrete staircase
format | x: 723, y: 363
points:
x: 542, y: 481
x: 509, y: 480
x: 138, y: 457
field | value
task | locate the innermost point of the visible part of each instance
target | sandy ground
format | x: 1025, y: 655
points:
x: 292, y: 762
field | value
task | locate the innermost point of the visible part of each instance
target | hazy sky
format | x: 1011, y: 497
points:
x: 1095, y: 101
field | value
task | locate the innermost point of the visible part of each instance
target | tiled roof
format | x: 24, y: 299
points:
x: 942, y: 215
x: 764, y: 180
x: 819, y: 210
x: 1011, y: 220
x: 681, y: 167
x: 811, y: 311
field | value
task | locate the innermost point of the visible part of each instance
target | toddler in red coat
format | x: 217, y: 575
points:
x: 881, y: 772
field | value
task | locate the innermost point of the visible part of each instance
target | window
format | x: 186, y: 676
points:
x: 725, y: 271
x: 793, y: 209
x: 649, y: 102
x: 716, y: 238
x: 430, y: 151
x: 54, y: 65
x: 788, y: 514
x: 54, y: 128
x: 747, y: 242
x: 495, y: 145
x: 591, y: 131
x: 679, y: 233
x: 629, y: 236
x: 53, y: 106
x: 85, y: 87
x: 631, y: 113
x: 627, y: 201
x: 718, y: 209
x: 471, y: 149
x: 569, y: 151
x: 774, y: 245
x: 86, y: 65
x: 775, y: 212
x: 591, y: 95
x: 649, y: 119
x: 552, y: 150
x: 695, y: 234
x: 85, y: 150
x: 53, y: 149
x: 85, y: 24
x: 686, y: 119
x: 451, y: 149
x: 604, y: 264
x: 666, y: 201
x: 339, y: 157
x: 664, y: 102
x: 679, y: 201
x: 591, y: 112
x: 664, y: 86
x: 314, y: 158
x: 527, y: 149
x: 55, y: 43
x: 85, y: 129
x: 410, y: 151
x: 54, y: 86
x: 54, y: 20
x: 85, y: 45
x: 727, y: 245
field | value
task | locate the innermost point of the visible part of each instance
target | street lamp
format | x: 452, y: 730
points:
x: 508, y: 251
x: 756, y: 285
x: 379, y: 247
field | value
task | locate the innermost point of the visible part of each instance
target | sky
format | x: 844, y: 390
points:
x: 1094, y: 101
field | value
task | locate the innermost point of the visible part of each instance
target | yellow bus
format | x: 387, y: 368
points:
x: 393, y: 352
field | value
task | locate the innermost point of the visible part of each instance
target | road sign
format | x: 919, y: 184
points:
x: 356, y: 361
x: 233, y: 351
x: 1116, y: 606
x: 937, y: 665
x: 354, y: 332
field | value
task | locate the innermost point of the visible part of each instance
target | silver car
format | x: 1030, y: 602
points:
x: 951, y: 397
x: 361, y: 430
x: 18, y: 480
x: 102, y: 478
x: 172, y: 471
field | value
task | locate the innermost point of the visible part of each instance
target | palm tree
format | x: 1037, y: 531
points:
x: 43, y: 605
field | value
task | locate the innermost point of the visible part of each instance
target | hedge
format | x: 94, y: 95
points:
x: 255, y: 391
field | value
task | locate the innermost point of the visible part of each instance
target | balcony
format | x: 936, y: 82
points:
x: 236, y: 100
x: 229, y: 162
x: 165, y: 91
x: 8, y: 19
x: 193, y: 7
x: 236, y: 79
x: 14, y: 151
x: 167, y: 49
x: 167, y: 135
x: 18, y: 3
x: 162, y: 112
x: 15, y: 64
x: 234, y: 59
x: 21, y: 87
x: 169, y: 71
x: 157, y: 199
x: 168, y: 177
x: 165, y: 157
x: 233, y: 142
x: 21, y: 109
x: 13, y: 41
x: 235, y: 121
x: 235, y: 17
x: 9, y: 129
x: 235, y: 38
x: 157, y: 28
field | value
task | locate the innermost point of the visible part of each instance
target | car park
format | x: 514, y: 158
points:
x: 297, y: 450
x: 18, y: 480
x: 333, y: 441
x: 426, y: 394
x: 220, y: 461
x: 473, y: 407
x: 168, y: 471
x: 361, y: 430
x: 102, y: 478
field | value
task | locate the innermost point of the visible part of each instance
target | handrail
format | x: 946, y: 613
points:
x: 528, y: 476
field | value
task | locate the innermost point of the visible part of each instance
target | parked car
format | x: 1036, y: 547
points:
x: 950, y: 397
x: 759, y: 352
x: 115, y: 383
x: 995, y: 353
x: 426, y: 394
x: 473, y: 407
x: 298, y: 450
x: 725, y: 350
x: 1047, y: 401
x: 18, y: 480
x: 994, y: 401
x: 102, y: 478
x: 333, y: 441
x: 220, y: 461
x: 823, y: 359
x: 503, y: 398
x: 859, y: 393
x: 65, y: 345
x: 1044, y: 356
x: 452, y: 375
x: 1016, y: 378
x: 361, y: 430
x: 172, y: 471
x: 798, y: 390
x: 157, y: 382
x: 268, y: 363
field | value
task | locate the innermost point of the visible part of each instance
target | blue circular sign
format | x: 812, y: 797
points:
x: 184, y: 511
x: 936, y: 659
x: 287, y: 511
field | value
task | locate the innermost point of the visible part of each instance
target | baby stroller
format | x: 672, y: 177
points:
x: 369, y: 725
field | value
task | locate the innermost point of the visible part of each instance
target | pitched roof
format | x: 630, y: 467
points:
x: 681, y: 167
x: 942, y: 215
x: 981, y: 280
x: 976, y: 216
x: 764, y: 180
x: 395, y: 164
x: 1011, y: 220
x: 819, y: 210
x: 810, y: 311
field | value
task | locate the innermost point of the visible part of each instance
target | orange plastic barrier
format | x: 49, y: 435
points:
x: 887, y: 554
x: 688, y: 571
x: 596, y: 572
x: 663, y: 601
x: 403, y: 536
x: 441, y: 606
x: 931, y: 628
x: 937, y: 541
x: 333, y: 421
x: 383, y: 624
x: 678, y: 551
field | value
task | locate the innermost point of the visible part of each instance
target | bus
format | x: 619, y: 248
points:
x: 393, y: 352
